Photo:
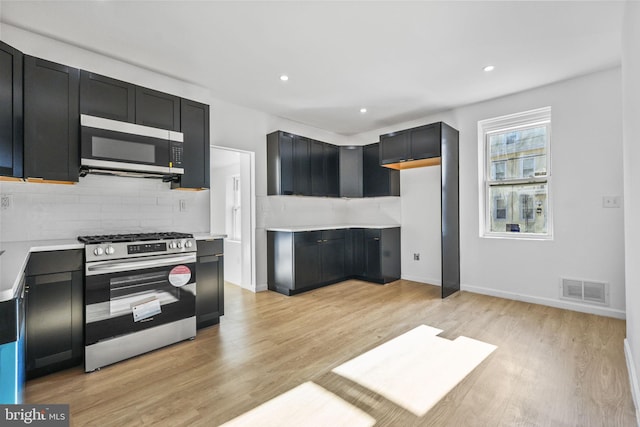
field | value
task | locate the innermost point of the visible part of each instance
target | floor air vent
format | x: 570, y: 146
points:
x: 585, y: 291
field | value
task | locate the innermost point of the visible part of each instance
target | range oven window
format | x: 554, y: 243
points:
x: 120, y: 300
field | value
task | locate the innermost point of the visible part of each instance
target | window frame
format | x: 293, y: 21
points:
x: 502, y: 124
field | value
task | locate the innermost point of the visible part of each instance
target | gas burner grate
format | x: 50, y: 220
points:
x: 133, y: 237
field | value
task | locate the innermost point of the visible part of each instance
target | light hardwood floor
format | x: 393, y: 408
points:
x: 552, y: 367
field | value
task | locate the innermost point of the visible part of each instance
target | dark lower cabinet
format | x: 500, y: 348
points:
x: 54, y: 311
x: 300, y: 261
x: 209, y: 282
x: 51, y: 120
x: 11, y: 114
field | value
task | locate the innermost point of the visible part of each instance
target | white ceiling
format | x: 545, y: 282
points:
x: 400, y: 60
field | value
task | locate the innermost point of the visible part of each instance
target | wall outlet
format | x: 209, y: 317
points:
x: 6, y: 201
x: 611, y: 201
x: 183, y: 205
x: 416, y: 257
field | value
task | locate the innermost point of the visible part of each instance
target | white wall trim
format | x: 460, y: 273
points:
x: 262, y: 287
x: 633, y: 378
x: 583, y: 308
x: 425, y: 280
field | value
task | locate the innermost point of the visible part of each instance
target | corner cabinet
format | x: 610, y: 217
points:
x: 298, y: 261
x: 11, y: 115
x: 378, y: 181
x: 51, y: 120
x: 194, y: 119
x: 54, y: 307
x: 209, y: 282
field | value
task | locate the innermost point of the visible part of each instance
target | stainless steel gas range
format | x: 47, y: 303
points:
x: 139, y: 294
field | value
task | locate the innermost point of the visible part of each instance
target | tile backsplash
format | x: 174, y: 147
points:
x: 99, y: 205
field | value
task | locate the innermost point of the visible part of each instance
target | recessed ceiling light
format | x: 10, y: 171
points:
x: 489, y: 68
x: 284, y: 77
x: 363, y: 110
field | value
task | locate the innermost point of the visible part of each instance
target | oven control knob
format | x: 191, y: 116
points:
x: 98, y: 251
x: 172, y: 245
x: 110, y: 250
x: 188, y: 244
x: 179, y: 245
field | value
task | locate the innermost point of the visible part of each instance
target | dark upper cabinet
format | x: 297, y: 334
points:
x: 11, y: 115
x: 422, y: 142
x: 54, y: 304
x: 157, y: 109
x: 195, y: 127
x: 332, y: 170
x: 51, y: 120
x: 301, y: 166
x: 378, y: 181
x: 318, y: 169
x: 350, y: 171
x: 279, y: 163
x: 106, y: 97
x: 325, y: 164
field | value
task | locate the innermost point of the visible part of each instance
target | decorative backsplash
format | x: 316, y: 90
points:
x: 98, y: 205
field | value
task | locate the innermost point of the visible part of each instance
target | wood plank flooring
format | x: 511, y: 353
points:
x: 552, y: 367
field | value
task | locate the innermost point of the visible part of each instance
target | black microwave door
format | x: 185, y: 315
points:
x: 122, y: 148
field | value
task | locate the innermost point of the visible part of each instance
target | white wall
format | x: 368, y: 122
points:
x: 586, y: 165
x: 631, y: 137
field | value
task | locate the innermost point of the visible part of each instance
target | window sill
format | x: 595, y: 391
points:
x: 517, y: 236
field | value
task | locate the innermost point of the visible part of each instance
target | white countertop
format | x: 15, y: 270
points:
x: 13, y: 260
x: 329, y: 227
x: 208, y: 236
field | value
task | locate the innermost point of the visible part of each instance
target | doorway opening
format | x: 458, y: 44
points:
x: 233, y: 212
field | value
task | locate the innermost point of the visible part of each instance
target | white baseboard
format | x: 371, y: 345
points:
x: 583, y: 308
x: 435, y: 282
x: 633, y: 378
x: 262, y: 287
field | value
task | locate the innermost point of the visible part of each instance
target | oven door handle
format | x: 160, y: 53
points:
x: 105, y: 267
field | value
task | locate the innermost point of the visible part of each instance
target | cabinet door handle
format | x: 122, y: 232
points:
x: 376, y: 238
x: 319, y: 241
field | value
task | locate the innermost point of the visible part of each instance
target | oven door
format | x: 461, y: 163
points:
x: 125, y: 296
x: 112, y: 145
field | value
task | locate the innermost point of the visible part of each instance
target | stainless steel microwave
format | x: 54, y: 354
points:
x: 121, y: 148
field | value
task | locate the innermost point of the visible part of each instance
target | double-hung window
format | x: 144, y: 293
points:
x: 515, y: 175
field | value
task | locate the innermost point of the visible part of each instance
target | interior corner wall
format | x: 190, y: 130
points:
x: 631, y: 138
x: 586, y: 157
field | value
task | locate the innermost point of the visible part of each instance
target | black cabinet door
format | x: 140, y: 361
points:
x: 373, y: 266
x: 307, y: 259
x: 280, y: 162
x: 11, y: 115
x: 195, y: 127
x: 209, y: 282
x: 54, y: 312
x: 350, y: 175
x: 424, y: 142
x: 51, y: 120
x: 106, y: 97
x: 378, y: 181
x: 301, y: 166
x: 318, y: 171
x: 332, y: 256
x: 358, y: 267
x: 157, y: 109
x: 394, y: 147
x: 332, y: 170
